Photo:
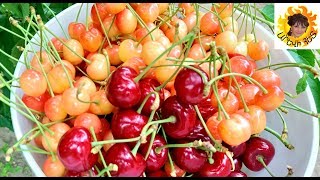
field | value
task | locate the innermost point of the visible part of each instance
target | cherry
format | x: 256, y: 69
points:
x: 237, y: 174
x: 74, y: 150
x: 237, y: 163
x: 128, y: 164
x: 158, y: 173
x: 237, y: 150
x: 122, y: 91
x: 221, y: 166
x: 148, y: 85
x: 185, y: 118
x: 189, y: 86
x: 155, y: 161
x: 89, y: 173
x: 198, y: 132
x: 258, y: 147
x: 36, y: 103
x: 189, y: 158
x: 127, y: 123
x: 206, y: 109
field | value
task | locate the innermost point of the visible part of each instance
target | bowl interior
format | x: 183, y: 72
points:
x: 303, y: 129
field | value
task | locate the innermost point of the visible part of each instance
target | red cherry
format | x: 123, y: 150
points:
x: 206, y: 109
x: 185, y: 118
x: 36, y: 103
x: 198, y: 132
x: 189, y: 86
x: 155, y: 161
x: 89, y: 173
x: 237, y: 150
x: 148, y: 85
x: 258, y: 147
x: 189, y: 158
x: 127, y: 123
x: 128, y: 164
x: 74, y: 150
x: 122, y: 91
x: 237, y: 174
x: 221, y: 166
x: 159, y: 173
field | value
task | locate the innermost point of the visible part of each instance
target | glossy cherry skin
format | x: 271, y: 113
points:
x: 221, y: 166
x: 128, y: 164
x: 122, y: 91
x: 127, y: 123
x: 148, y: 85
x: 237, y: 163
x: 189, y: 86
x: 197, y: 133
x: 258, y: 146
x: 159, y: 173
x: 89, y: 173
x: 189, y: 159
x: 237, y: 174
x: 155, y: 161
x: 206, y: 109
x: 185, y: 118
x: 74, y: 150
x: 236, y: 150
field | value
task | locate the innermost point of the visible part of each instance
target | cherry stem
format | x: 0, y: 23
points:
x: 217, y: 144
x: 155, y: 104
x: 270, y: 24
x: 299, y: 109
x: 313, y: 70
x: 277, y: 135
x: 206, y: 146
x: 260, y: 159
x: 106, y: 169
x: 153, y: 135
x: 54, y: 16
x: 97, y: 145
x: 284, y: 134
x: 173, y: 171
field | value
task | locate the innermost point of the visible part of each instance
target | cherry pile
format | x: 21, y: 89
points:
x: 149, y: 90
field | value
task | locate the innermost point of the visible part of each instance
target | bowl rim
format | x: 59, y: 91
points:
x: 36, y: 169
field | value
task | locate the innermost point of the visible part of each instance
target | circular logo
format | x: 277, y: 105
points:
x: 297, y: 27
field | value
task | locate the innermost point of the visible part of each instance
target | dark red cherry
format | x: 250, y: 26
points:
x: 189, y: 159
x: 236, y: 150
x: 237, y: 163
x: 258, y: 147
x: 148, y: 85
x: 122, y: 90
x: 189, y: 86
x: 237, y: 174
x: 158, y: 173
x: 89, y: 173
x: 206, y: 109
x: 155, y: 161
x: 185, y: 118
x: 128, y: 164
x: 74, y: 150
x: 221, y: 166
x: 127, y: 123
x: 198, y: 133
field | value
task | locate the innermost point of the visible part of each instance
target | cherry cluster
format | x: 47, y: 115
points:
x: 152, y: 89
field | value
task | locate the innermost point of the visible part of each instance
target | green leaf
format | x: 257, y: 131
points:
x: 313, y: 83
x: 25, y: 9
x: 5, y: 117
x: 302, y: 84
x: 13, y: 8
x: 3, y: 21
x: 268, y: 12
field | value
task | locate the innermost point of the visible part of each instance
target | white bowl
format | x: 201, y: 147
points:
x: 303, y: 129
